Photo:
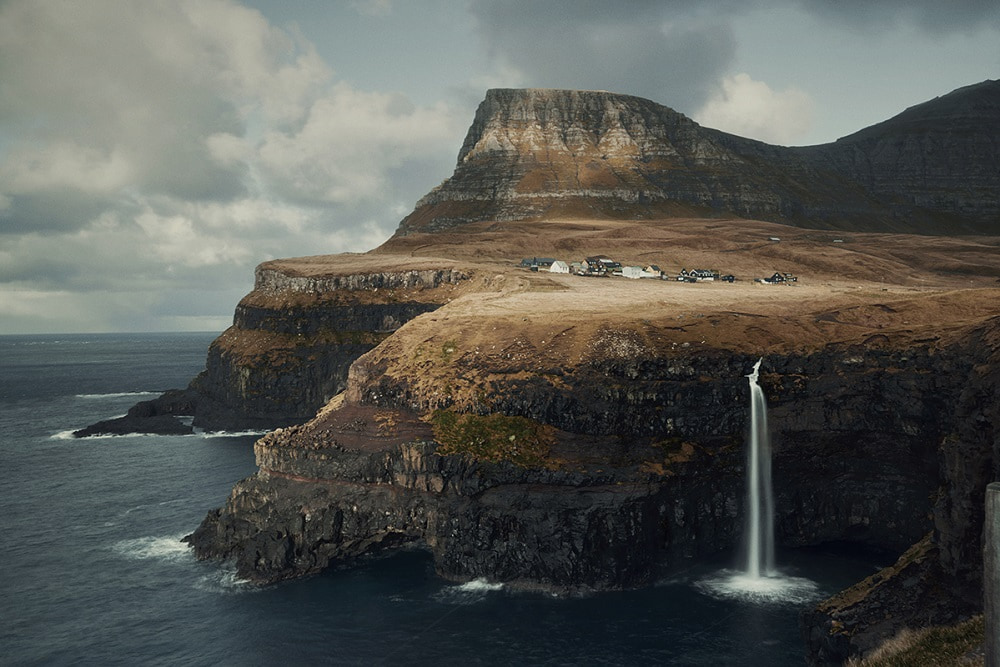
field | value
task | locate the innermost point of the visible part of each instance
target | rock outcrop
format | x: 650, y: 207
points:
x: 292, y: 341
x: 939, y: 580
x: 295, y: 336
x: 548, y: 529
x: 883, y: 415
x: 534, y: 154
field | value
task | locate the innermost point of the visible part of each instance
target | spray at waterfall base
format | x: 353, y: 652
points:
x: 759, y: 581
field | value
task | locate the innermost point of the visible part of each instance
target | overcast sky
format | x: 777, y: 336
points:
x: 152, y: 153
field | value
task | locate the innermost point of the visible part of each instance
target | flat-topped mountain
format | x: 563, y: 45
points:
x: 544, y: 154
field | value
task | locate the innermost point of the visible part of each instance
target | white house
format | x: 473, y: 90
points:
x: 632, y: 272
x: 559, y: 266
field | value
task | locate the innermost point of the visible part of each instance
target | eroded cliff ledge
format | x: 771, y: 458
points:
x: 292, y: 340
x: 644, y: 470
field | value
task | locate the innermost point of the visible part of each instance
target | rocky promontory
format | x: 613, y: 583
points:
x: 625, y: 454
x: 642, y: 469
x: 561, y: 432
x: 292, y: 340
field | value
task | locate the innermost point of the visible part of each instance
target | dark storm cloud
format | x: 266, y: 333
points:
x: 932, y: 16
x: 56, y: 211
x: 671, y: 52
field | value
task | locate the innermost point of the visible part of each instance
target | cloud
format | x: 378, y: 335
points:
x: 752, y: 109
x: 372, y: 7
x: 932, y: 16
x: 103, y: 96
x: 668, y: 52
x: 342, y: 153
x: 170, y: 146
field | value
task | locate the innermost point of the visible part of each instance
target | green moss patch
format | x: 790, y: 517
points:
x: 494, y: 437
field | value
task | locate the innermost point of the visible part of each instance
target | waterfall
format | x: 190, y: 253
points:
x: 759, y: 526
x: 759, y: 581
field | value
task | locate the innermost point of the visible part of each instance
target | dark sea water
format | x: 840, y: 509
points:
x: 93, y: 570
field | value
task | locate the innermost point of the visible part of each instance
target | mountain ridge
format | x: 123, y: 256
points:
x: 549, y: 153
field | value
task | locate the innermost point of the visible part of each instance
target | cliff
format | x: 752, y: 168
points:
x: 883, y: 411
x: 543, y: 154
x: 561, y: 433
x: 877, y: 367
x: 585, y: 155
x: 292, y: 340
x: 643, y: 471
x: 295, y: 335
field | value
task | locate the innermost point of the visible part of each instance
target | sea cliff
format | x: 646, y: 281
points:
x: 564, y: 433
x: 634, y: 480
x: 879, y: 440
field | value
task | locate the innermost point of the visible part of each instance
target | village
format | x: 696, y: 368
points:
x: 601, y: 266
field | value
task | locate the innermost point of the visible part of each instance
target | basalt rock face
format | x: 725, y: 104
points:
x: 546, y: 153
x: 856, y: 431
x: 537, y: 529
x: 939, y: 156
x: 939, y: 580
x: 636, y: 481
x: 288, y: 351
x: 294, y: 337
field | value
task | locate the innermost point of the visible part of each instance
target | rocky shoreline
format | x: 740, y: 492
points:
x: 878, y: 441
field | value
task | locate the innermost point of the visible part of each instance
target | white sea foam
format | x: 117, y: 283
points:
x: 773, y: 589
x: 121, y: 394
x: 167, y: 548
x: 468, y: 593
x: 229, y: 434
x: 224, y: 581
x: 68, y: 435
x: 479, y: 586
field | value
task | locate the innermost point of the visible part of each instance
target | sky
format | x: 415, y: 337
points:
x: 153, y: 153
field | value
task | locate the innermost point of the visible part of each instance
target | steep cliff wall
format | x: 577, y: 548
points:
x: 292, y: 341
x: 295, y: 336
x: 939, y: 580
x: 884, y: 406
x: 533, y: 154
x: 938, y: 156
x: 645, y: 473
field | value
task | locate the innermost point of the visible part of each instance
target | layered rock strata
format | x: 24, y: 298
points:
x: 885, y: 429
x: 533, y: 154
x: 646, y: 472
x: 549, y: 529
x: 292, y: 341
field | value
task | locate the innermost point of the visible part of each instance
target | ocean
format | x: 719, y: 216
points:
x: 94, y: 570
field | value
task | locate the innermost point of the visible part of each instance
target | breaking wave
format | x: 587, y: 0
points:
x: 121, y: 394
x: 168, y: 548
x: 470, y: 592
x: 230, y: 434
x: 68, y: 435
x: 224, y: 581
